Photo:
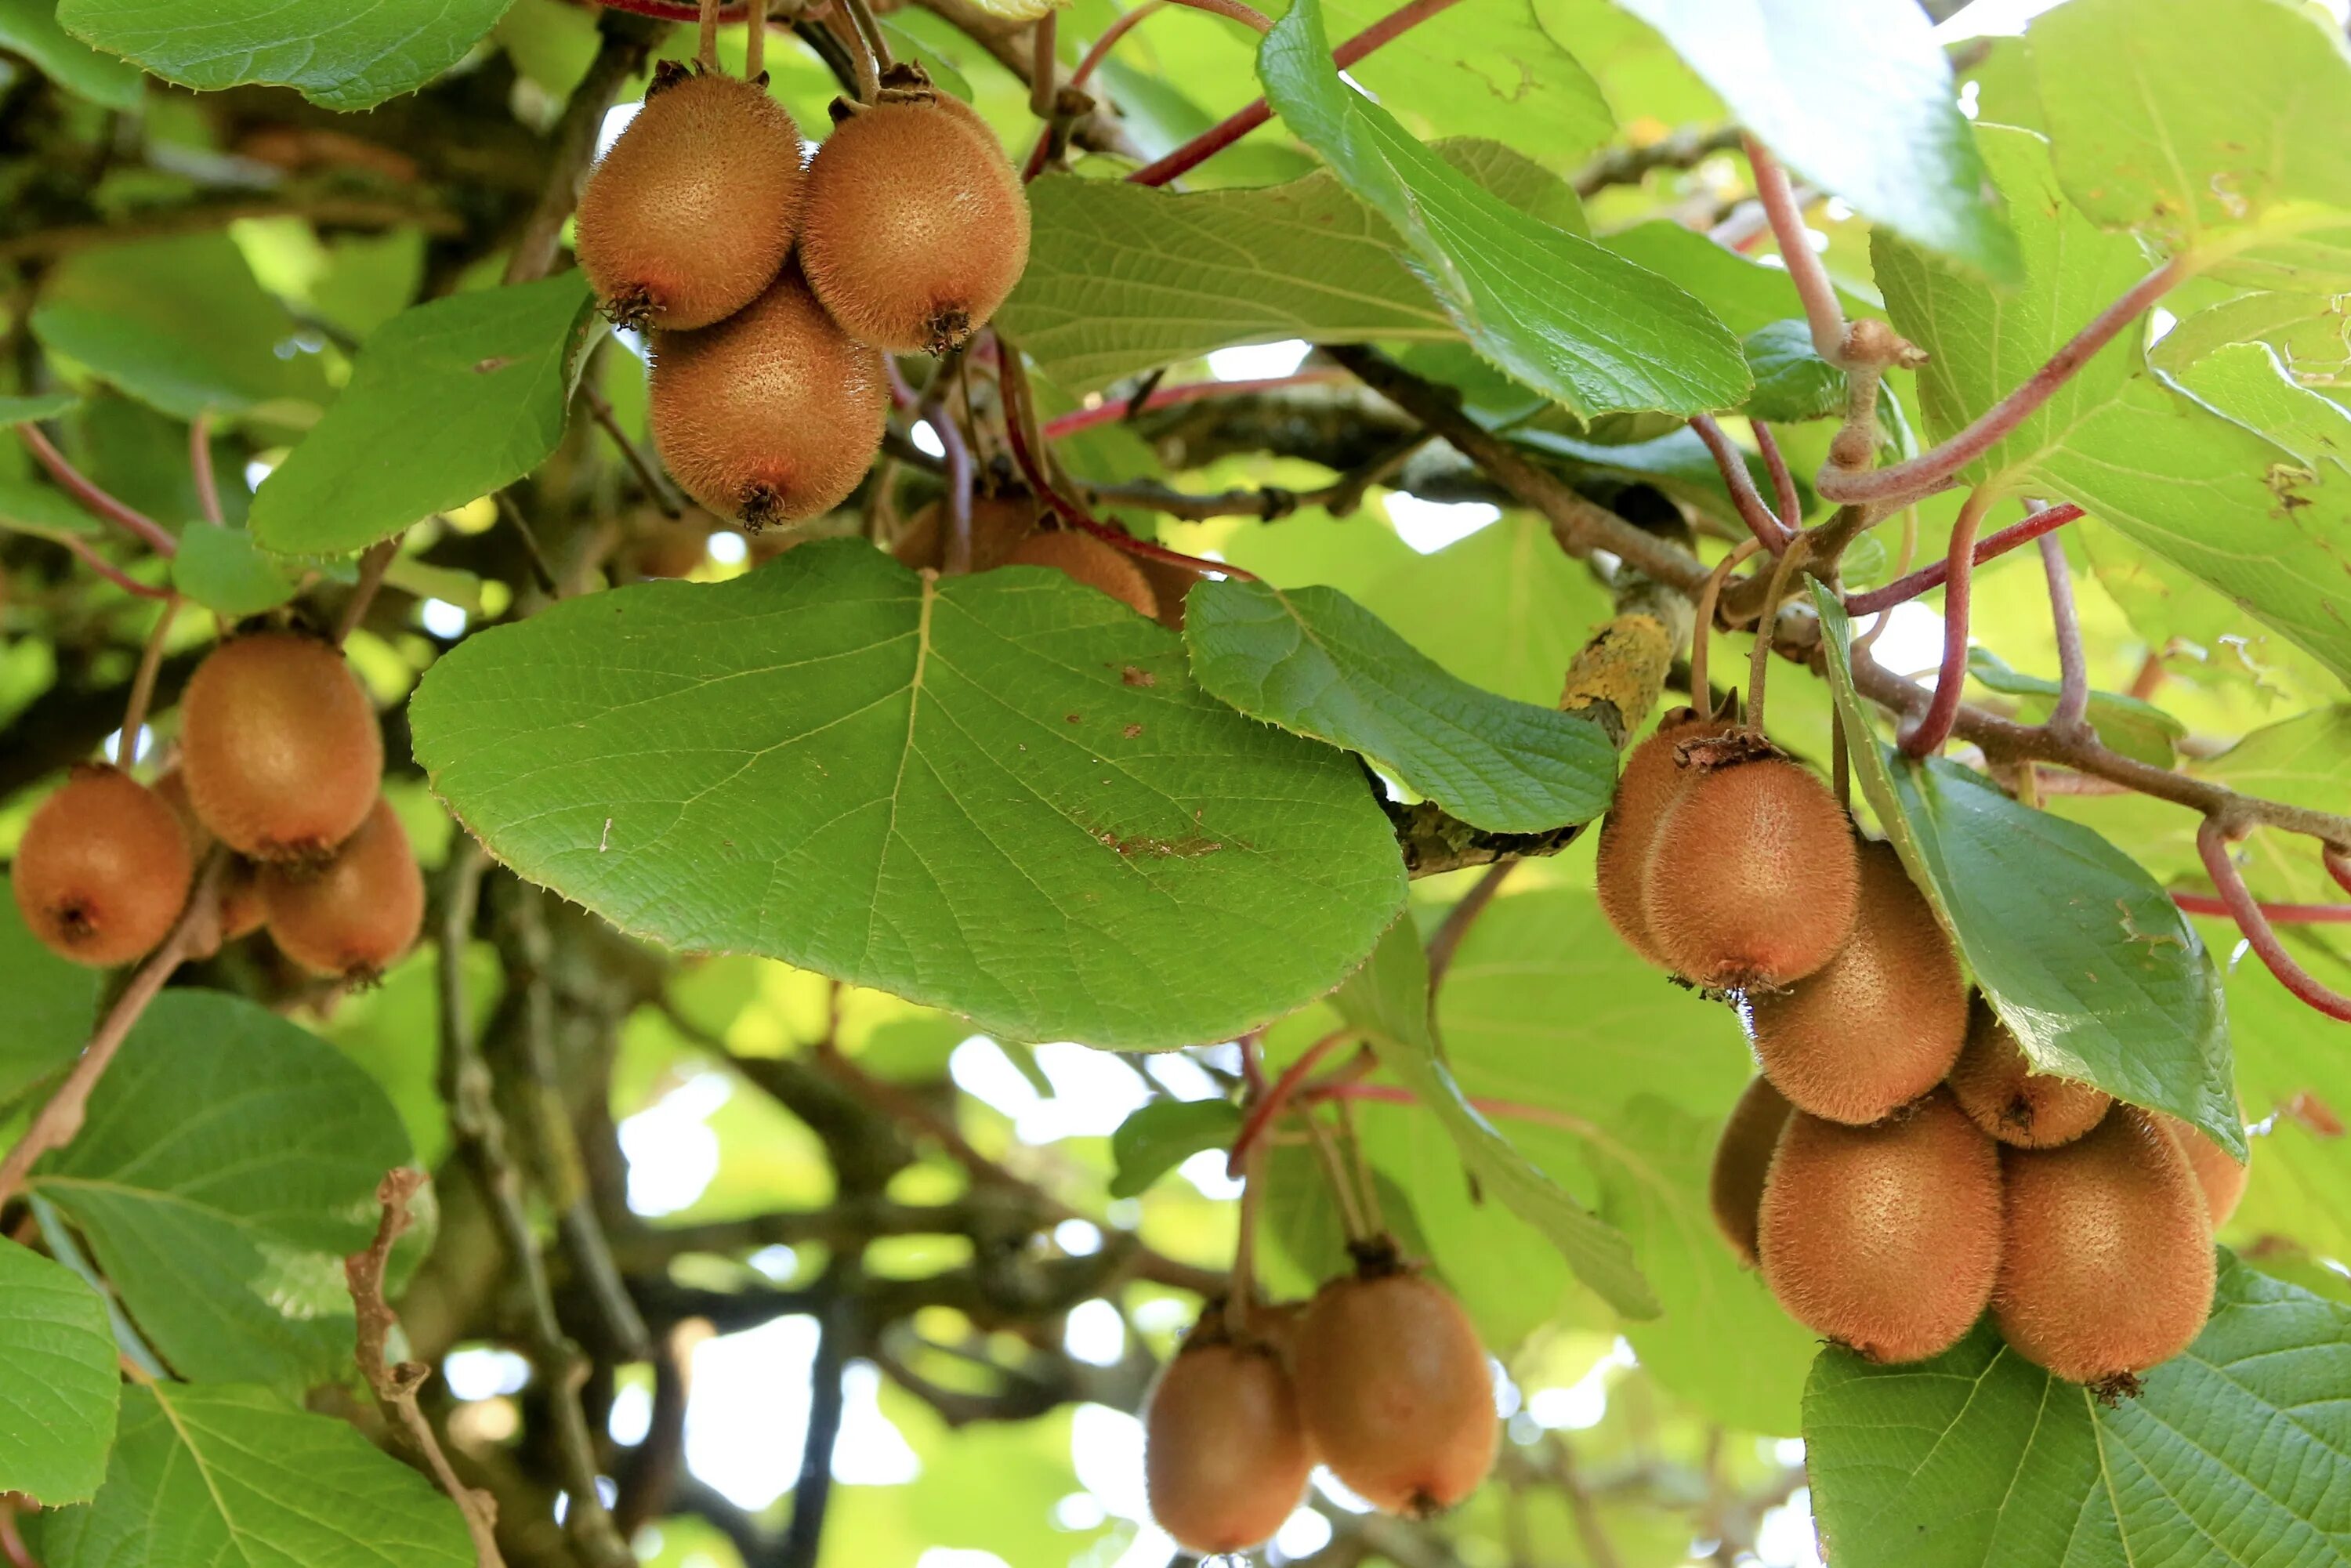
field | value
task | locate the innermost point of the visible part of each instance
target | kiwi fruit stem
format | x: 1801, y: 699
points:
x: 1702, y: 626
x: 1759, y: 662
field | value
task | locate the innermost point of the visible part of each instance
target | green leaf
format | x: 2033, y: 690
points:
x: 1857, y: 96
x: 1792, y: 382
x: 228, y: 1164
x: 2218, y: 125
x: 1387, y: 1001
x: 1504, y: 609
x: 51, y: 1005
x: 234, y: 1476
x: 1498, y: 69
x: 30, y: 27
x: 2311, y: 333
x: 41, y: 405
x: 1157, y: 1137
x: 224, y: 571
x: 2239, y: 1451
x: 1566, y: 318
x: 481, y: 382
x: 57, y: 1408
x: 1124, y: 279
x: 337, y: 54
x: 178, y: 323
x: 2139, y: 731
x: 1747, y: 295
x: 1316, y: 663
x: 2085, y: 958
x: 998, y: 794
x: 1678, y: 464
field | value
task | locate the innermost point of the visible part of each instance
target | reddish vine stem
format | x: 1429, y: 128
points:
x: 1249, y: 16
x: 1768, y: 530
x: 94, y: 500
x: 1822, y: 311
x: 1090, y: 62
x: 1240, y: 1296
x: 1224, y: 134
x: 2213, y: 846
x: 372, y: 566
x: 1783, y: 483
x: 1189, y: 391
x: 2275, y: 913
x: 1904, y: 589
x: 143, y: 684
x: 1932, y: 469
x: 2338, y: 865
x: 674, y: 10
x: 12, y: 1541
x: 108, y: 569
x: 1269, y: 1104
x: 200, y: 465
x: 1464, y: 914
x: 1934, y: 726
x: 2072, y: 714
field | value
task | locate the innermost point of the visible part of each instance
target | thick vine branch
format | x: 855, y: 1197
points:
x: 2213, y: 846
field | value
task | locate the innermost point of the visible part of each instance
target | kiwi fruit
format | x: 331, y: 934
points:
x: 1395, y: 1390
x: 2217, y: 1175
x: 691, y: 213
x: 917, y: 225
x: 1224, y: 1455
x: 1996, y: 1085
x: 279, y: 746
x: 1752, y: 878
x: 999, y: 524
x: 2107, y: 1268
x: 1171, y: 585
x: 1103, y: 568
x: 661, y: 546
x: 351, y: 917
x: 240, y: 912
x: 774, y: 414
x: 1884, y: 1239
x: 1742, y: 1157
x: 1651, y: 781
x: 102, y: 870
x: 1880, y: 1023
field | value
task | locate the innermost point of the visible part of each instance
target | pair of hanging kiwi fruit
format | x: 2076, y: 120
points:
x: 1381, y: 1378
x: 772, y: 290
x: 1898, y: 1167
x: 281, y: 762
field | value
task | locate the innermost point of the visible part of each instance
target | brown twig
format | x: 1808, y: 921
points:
x: 1702, y: 635
x: 1783, y: 483
x: 1269, y: 1106
x: 396, y: 1384
x: 1770, y: 529
x: 1684, y: 149
x: 372, y: 566
x: 143, y: 684
x: 620, y: 54
x: 1044, y: 70
x: 2070, y: 714
x: 1457, y: 922
x: 600, y: 408
x: 200, y: 466
x: 2212, y: 847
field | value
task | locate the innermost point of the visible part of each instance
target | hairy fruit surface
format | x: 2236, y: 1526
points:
x: 774, y: 414
x: 1879, y: 1024
x: 1884, y: 1239
x: 102, y: 870
x: 351, y: 917
x: 1651, y: 781
x: 1225, y: 1454
x: 1742, y: 1159
x: 2109, y: 1267
x: 1395, y: 1392
x: 279, y: 746
x: 241, y: 913
x: 999, y: 525
x: 2221, y: 1178
x: 691, y: 213
x: 1996, y: 1085
x: 1084, y: 558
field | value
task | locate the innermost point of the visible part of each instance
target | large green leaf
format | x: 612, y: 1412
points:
x: 2238, y: 1451
x: 1316, y: 663
x: 1568, y: 319
x: 232, y: 1476
x: 336, y: 54
x: 51, y: 1004
x: 2085, y: 957
x: 1856, y: 95
x: 480, y: 382
x: 998, y: 794
x: 30, y: 27
x: 229, y: 1161
x: 1122, y: 278
x: 2218, y: 125
x: 1387, y: 1001
x: 1498, y: 69
x: 178, y: 323
x: 58, y: 1403
x: 2311, y: 333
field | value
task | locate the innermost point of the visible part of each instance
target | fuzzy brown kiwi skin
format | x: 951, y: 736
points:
x: 1651, y: 781
x: 917, y: 224
x: 1884, y: 1239
x: 1742, y: 1159
x: 240, y: 912
x: 279, y: 746
x: 1084, y: 558
x: 353, y: 916
x: 691, y: 213
x: 1395, y: 1390
x: 774, y: 414
x: 102, y: 870
x: 2107, y: 1266
x: 2221, y: 1178
x: 1996, y: 1085
x: 999, y: 525
x: 1226, y: 1457
x: 1752, y: 877
x: 1879, y: 1024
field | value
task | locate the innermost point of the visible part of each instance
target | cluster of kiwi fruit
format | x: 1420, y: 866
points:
x: 772, y: 290
x: 280, y: 763
x: 1380, y: 1377
x: 1009, y: 527
x: 1899, y: 1166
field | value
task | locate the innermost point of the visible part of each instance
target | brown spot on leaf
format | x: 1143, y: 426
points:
x: 1130, y: 731
x: 1072, y: 718
x: 494, y: 362
x: 1135, y: 677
